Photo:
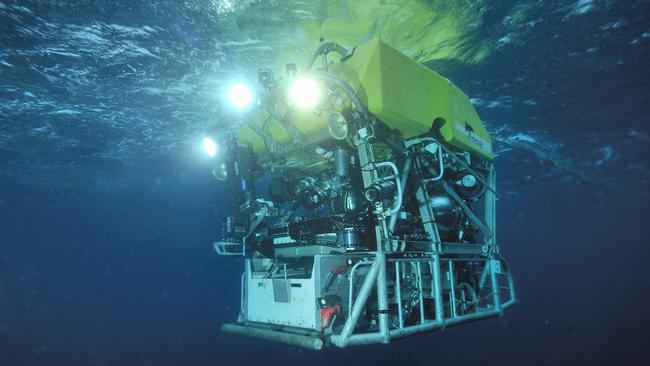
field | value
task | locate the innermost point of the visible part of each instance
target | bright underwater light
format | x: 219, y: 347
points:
x: 210, y: 146
x: 304, y: 92
x: 240, y: 96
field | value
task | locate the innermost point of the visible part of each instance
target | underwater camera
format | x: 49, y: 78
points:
x: 363, y: 202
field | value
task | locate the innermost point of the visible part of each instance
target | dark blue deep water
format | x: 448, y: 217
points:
x: 108, y: 211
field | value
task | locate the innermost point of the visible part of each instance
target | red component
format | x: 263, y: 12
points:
x: 327, y: 313
x: 340, y: 270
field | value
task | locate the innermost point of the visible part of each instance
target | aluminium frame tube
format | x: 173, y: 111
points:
x: 403, y: 181
x: 382, y: 297
x: 342, y: 339
x: 437, y: 289
x: 304, y: 341
x: 421, y: 328
x: 326, y: 47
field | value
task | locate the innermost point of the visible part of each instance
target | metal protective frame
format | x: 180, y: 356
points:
x: 435, y: 256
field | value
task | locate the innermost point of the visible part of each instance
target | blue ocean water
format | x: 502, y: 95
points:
x: 107, y: 209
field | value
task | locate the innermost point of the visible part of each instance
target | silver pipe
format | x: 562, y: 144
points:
x: 478, y: 176
x: 418, y: 271
x: 452, y: 286
x: 420, y: 328
x: 495, y: 287
x: 398, y: 293
x: 510, y: 302
x: 484, y: 273
x: 441, y: 164
x: 304, y: 341
x: 473, y: 316
x: 382, y: 297
x: 440, y: 315
x: 365, y: 338
x: 324, y: 48
x: 511, y: 285
x: 432, y: 294
x: 403, y: 182
x: 490, y: 207
x: 351, y: 287
x: 398, y: 204
x: 411, y: 142
x: 341, y: 340
x: 415, y: 329
x: 453, y: 155
x: 468, y: 211
x: 441, y: 167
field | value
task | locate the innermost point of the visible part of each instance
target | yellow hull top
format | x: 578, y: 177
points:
x: 403, y: 94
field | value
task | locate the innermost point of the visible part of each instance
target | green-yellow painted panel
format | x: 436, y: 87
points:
x: 408, y: 97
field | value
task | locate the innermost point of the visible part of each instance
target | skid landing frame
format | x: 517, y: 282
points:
x: 419, y: 286
x: 440, y: 302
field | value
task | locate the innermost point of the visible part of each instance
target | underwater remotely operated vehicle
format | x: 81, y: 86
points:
x: 363, y: 202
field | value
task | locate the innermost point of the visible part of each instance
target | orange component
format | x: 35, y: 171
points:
x: 327, y: 314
